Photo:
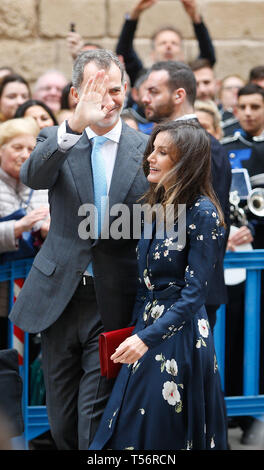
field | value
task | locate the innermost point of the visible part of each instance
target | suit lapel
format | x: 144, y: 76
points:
x: 128, y: 161
x: 127, y: 164
x: 80, y: 164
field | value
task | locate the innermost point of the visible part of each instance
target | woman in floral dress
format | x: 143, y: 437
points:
x: 168, y: 395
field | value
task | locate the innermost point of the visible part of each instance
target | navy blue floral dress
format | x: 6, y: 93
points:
x: 171, y: 397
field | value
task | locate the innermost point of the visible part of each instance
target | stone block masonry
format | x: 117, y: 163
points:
x: 33, y: 32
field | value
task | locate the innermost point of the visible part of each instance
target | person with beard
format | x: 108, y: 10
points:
x: 170, y: 95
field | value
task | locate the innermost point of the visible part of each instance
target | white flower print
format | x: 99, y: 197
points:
x: 110, y: 421
x: 157, y: 311
x: 159, y: 357
x: 203, y: 327
x: 135, y: 366
x: 199, y: 237
x: 192, y: 226
x: 147, y: 280
x: 157, y: 255
x: 146, y: 311
x: 170, y: 393
x: 179, y: 247
x: 168, y: 241
x: 172, y: 367
x: 166, y: 252
x: 212, y: 444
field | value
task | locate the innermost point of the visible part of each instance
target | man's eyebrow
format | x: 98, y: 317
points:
x: 117, y: 87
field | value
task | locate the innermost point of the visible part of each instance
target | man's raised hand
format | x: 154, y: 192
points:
x: 90, y: 109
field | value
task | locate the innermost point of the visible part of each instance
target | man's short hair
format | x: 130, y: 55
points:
x: 199, y: 64
x: 165, y: 28
x: 256, y: 73
x: 251, y: 89
x: 180, y: 76
x: 101, y: 57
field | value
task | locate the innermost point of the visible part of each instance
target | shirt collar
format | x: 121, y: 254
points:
x: 113, y: 135
x: 186, y: 117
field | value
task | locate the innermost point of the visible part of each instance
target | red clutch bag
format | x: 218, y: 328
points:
x: 108, y: 342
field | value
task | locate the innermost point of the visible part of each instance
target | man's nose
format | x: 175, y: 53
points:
x: 53, y: 90
x: 145, y: 98
x: 248, y: 110
x: 108, y: 100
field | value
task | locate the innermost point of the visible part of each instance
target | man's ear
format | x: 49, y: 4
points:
x: 134, y: 94
x: 235, y: 111
x: 178, y: 95
x: 75, y: 95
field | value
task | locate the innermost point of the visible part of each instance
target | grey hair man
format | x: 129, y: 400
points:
x: 78, y: 286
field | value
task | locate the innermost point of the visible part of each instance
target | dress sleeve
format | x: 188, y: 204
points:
x: 204, y: 238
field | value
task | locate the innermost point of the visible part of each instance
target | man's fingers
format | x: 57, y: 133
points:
x: 95, y: 83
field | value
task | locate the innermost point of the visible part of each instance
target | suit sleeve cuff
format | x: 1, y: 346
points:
x: 66, y: 137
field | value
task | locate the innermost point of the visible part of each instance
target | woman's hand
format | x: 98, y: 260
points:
x: 243, y: 235
x: 44, y: 229
x: 130, y: 350
x: 26, y: 223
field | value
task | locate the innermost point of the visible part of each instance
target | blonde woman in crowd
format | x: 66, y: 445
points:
x: 17, y: 140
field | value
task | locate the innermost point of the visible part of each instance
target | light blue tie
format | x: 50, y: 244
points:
x: 99, y: 184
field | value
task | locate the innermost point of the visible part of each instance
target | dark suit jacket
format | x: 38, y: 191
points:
x: 221, y: 179
x: 11, y: 388
x: 64, y: 256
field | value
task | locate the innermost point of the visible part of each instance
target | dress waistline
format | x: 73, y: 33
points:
x: 172, y: 291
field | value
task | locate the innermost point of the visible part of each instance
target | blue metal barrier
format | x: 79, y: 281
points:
x: 251, y: 403
x: 35, y: 417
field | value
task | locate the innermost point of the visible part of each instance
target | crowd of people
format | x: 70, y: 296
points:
x: 174, y: 133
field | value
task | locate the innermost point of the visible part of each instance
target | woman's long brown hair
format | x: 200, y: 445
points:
x: 190, y: 177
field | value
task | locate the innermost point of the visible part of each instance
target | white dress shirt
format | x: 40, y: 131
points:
x: 67, y: 140
x: 186, y: 117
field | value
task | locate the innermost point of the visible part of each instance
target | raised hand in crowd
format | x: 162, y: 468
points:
x: 74, y: 43
x: 141, y: 6
x: 192, y: 9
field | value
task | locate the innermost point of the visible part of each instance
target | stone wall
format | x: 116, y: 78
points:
x: 33, y: 32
